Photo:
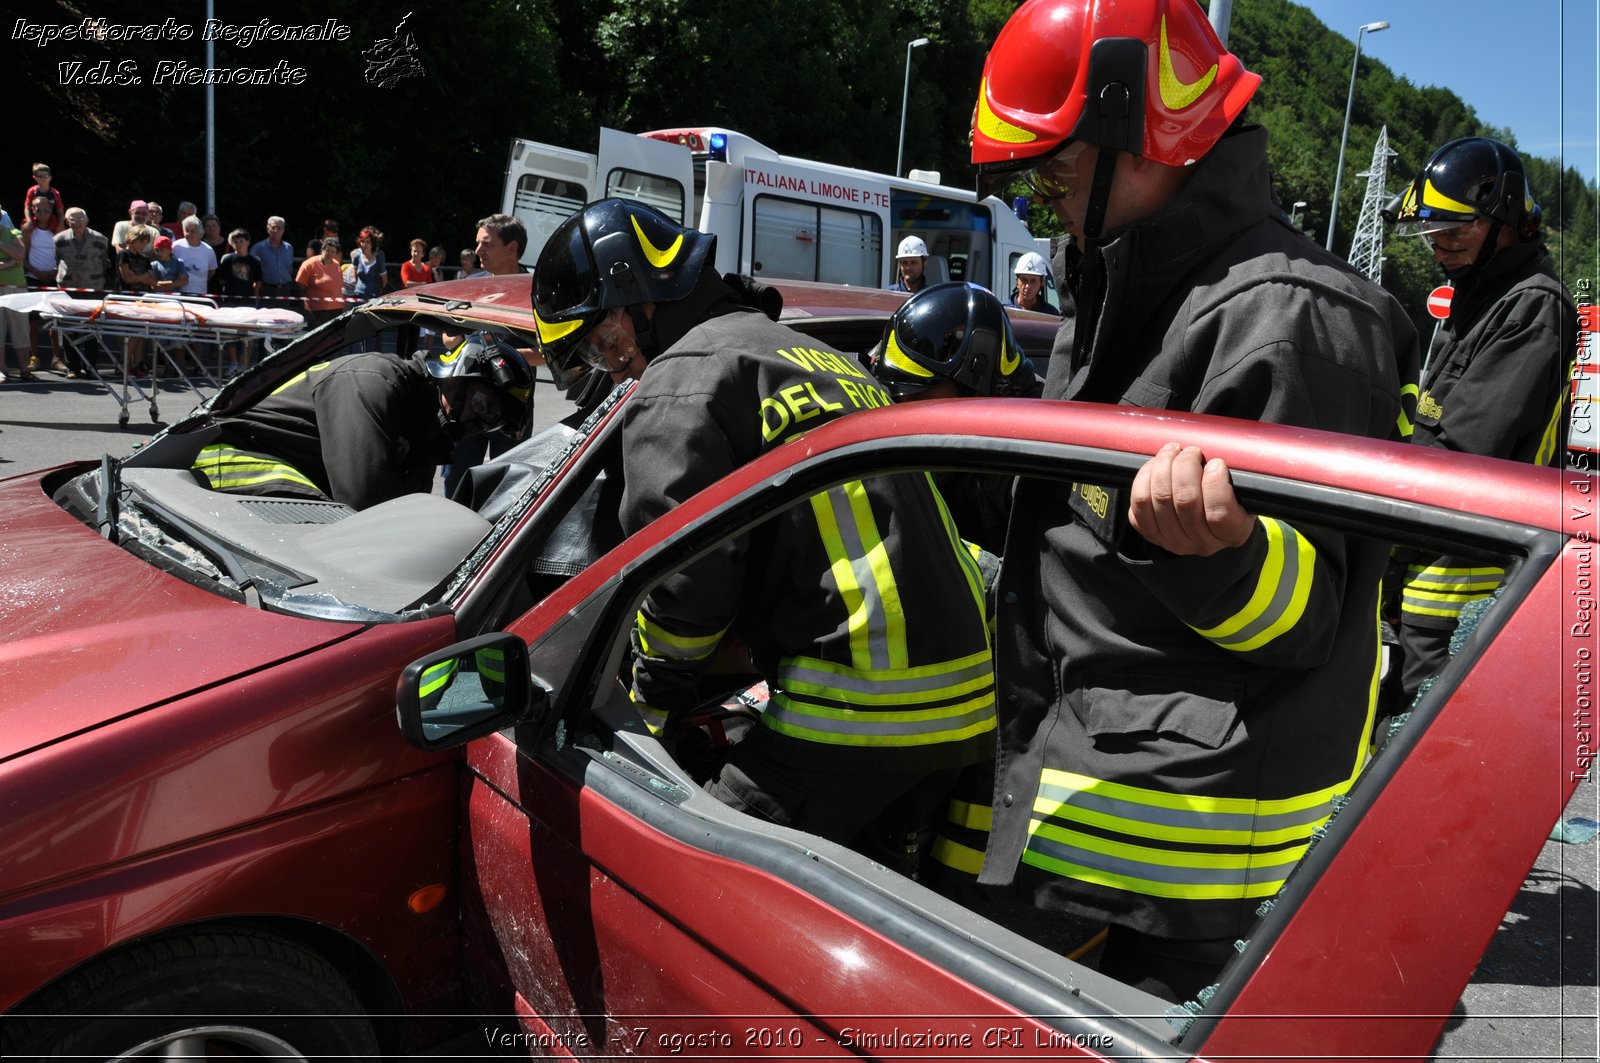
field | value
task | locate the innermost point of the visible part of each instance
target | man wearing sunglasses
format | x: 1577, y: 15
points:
x: 1495, y: 376
x: 857, y: 607
x: 1166, y: 653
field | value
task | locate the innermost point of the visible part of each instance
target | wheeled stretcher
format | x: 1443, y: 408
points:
x: 169, y: 325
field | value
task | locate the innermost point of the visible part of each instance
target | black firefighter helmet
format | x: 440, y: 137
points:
x: 613, y: 254
x: 487, y: 385
x: 1463, y: 180
x: 956, y: 331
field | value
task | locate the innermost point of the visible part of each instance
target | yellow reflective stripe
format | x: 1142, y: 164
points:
x: 844, y: 578
x: 854, y: 727
x: 656, y: 641
x: 1372, y: 689
x: 1176, y: 93
x: 292, y: 381
x: 966, y: 553
x: 1173, y: 858
x: 1421, y: 610
x: 899, y: 359
x: 957, y: 856
x: 436, y: 677
x: 1403, y: 423
x: 1255, y: 625
x: 226, y: 468
x: 549, y: 332
x: 655, y: 720
x: 877, y: 554
x: 859, y: 562
x: 891, y: 686
x: 1445, y: 573
x: 1552, y: 434
x: 1432, y: 197
x: 1441, y: 591
x: 993, y: 126
x: 1146, y: 828
x: 1467, y: 594
x: 971, y: 816
x: 1227, y: 884
x: 1194, y: 803
x: 865, y: 718
x: 492, y: 665
x: 660, y: 258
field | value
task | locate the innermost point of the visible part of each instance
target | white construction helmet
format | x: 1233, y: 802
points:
x: 1033, y: 264
x: 912, y: 247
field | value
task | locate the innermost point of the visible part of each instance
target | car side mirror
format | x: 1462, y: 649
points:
x: 467, y: 690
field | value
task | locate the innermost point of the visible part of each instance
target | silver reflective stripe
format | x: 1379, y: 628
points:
x: 877, y: 628
x: 1455, y: 580
x: 1276, y: 863
x: 792, y: 673
x: 1180, y: 817
x: 784, y: 713
x: 1288, y: 578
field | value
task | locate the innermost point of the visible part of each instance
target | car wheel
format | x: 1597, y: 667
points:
x: 224, y: 994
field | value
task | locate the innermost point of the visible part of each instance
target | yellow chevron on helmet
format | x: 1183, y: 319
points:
x: 657, y: 257
x: 550, y: 331
x: 897, y: 357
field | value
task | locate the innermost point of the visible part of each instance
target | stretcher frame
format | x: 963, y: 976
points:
x: 165, y: 342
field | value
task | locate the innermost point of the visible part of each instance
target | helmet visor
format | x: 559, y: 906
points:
x: 567, y: 283
x: 609, y: 346
x: 1453, y: 237
x: 1054, y: 177
x: 1434, y: 226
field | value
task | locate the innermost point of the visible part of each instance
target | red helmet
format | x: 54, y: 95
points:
x: 1078, y: 69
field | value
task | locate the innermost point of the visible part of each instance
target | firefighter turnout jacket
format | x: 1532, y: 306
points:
x: 1174, y: 728
x: 361, y: 429
x: 860, y: 606
x: 1494, y: 385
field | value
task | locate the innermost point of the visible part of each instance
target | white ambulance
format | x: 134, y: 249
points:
x: 775, y: 217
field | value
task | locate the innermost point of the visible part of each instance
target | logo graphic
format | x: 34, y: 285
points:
x: 899, y: 359
x: 392, y: 60
x: 659, y: 258
x: 1009, y: 359
x: 1174, y: 93
x: 550, y: 331
x: 1439, y: 301
x: 993, y: 126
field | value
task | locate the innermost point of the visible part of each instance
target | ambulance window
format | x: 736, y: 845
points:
x: 653, y: 190
x: 807, y: 242
x: 542, y: 203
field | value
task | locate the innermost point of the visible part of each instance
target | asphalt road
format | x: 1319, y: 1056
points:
x: 1534, y: 996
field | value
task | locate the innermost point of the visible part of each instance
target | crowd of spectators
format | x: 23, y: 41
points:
x: 55, y: 247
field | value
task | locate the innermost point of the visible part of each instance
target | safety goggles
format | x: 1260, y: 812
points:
x: 1051, y: 179
x: 608, y: 346
x: 1449, y: 236
x: 483, y: 409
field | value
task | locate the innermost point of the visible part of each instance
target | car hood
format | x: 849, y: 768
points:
x: 90, y: 633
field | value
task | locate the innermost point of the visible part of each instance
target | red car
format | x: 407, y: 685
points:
x: 219, y: 845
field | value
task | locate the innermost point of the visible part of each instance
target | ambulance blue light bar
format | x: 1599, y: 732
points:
x: 719, y: 146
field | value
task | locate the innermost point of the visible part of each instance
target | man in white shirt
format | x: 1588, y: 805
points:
x: 199, y: 261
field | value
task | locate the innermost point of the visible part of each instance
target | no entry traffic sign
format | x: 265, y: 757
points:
x: 1439, y: 301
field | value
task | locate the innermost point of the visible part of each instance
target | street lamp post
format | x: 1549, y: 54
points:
x: 905, y: 100
x: 1294, y: 212
x: 1350, y: 99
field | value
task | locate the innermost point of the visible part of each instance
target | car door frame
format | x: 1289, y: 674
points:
x: 678, y: 538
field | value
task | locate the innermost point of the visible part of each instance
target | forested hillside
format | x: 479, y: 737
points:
x: 425, y: 156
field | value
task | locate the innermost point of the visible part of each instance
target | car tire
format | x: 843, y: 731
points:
x: 225, y: 994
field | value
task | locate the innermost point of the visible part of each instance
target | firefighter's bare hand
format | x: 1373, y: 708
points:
x: 1186, y: 505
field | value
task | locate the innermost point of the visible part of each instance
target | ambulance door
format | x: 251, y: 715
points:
x: 545, y: 185
x: 653, y: 172
x: 811, y: 224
